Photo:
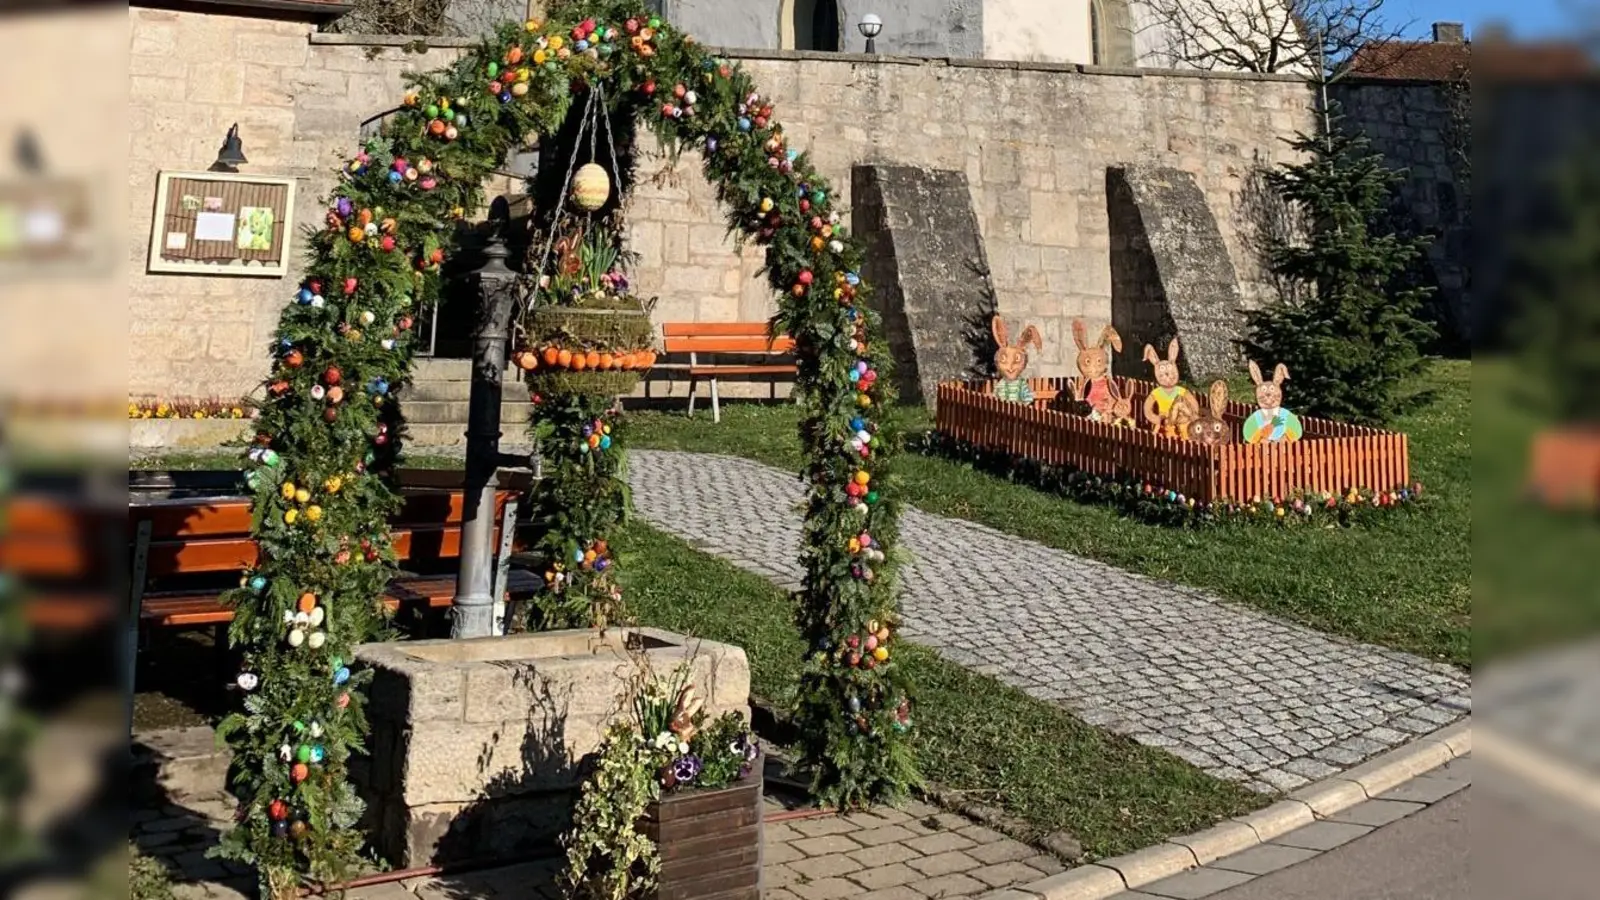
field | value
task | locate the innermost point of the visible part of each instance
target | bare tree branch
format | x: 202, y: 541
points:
x: 1311, y: 37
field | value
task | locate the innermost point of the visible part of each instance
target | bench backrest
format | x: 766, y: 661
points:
x: 723, y: 337
x: 193, y: 536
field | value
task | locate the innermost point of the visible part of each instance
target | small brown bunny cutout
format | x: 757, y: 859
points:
x: 1211, y: 429
x: 1094, y: 363
x: 1170, y: 407
x: 1009, y: 359
x: 1120, y: 411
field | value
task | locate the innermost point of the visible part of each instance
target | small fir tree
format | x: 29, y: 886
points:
x: 1350, y: 332
x: 1556, y: 278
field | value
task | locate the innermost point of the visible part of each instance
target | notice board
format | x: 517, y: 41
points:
x: 221, y: 223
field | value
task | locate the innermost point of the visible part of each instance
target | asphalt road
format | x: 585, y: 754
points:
x: 1420, y: 857
x: 1520, y: 847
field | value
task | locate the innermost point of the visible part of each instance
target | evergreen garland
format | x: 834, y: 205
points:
x: 1352, y: 336
x: 329, y: 431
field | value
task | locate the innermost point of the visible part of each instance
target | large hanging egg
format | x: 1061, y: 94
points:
x: 591, y: 187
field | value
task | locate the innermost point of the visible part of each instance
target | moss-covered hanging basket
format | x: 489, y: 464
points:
x: 601, y: 346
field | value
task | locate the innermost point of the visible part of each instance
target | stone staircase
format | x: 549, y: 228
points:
x: 436, y: 404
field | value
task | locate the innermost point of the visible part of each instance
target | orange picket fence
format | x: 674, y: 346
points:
x: 1331, y: 457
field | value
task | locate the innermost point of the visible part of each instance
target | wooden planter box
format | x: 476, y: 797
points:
x: 1331, y: 457
x: 1564, y: 468
x: 710, y: 842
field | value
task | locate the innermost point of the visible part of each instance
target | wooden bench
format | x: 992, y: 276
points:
x: 61, y: 549
x: 732, y: 339
x: 182, y: 546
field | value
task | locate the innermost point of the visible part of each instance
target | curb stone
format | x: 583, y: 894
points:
x: 1109, y: 877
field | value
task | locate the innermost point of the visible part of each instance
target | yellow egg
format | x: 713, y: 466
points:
x: 332, y: 485
x: 302, y: 495
x: 539, y: 57
x: 556, y: 41
x: 288, y: 490
x: 290, y: 516
x: 855, y: 545
x: 880, y: 654
x: 313, y: 513
x: 591, y: 187
x: 533, y: 25
x: 863, y: 477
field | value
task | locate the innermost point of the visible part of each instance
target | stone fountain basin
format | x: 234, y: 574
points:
x: 478, y: 745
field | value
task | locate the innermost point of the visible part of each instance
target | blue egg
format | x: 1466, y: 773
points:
x: 582, y: 45
x: 577, y: 556
x: 341, y: 675
x: 605, y: 442
x: 318, y: 754
x: 744, y: 123
x: 858, y: 424
x: 854, y: 375
x: 304, y: 296
x: 394, y: 177
x: 852, y: 278
x: 258, y: 584
x: 505, y: 96
x: 794, y: 155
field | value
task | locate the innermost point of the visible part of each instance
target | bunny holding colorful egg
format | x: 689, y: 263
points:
x: 1271, y: 423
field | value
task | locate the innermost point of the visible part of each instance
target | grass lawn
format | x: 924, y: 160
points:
x: 975, y: 736
x: 1403, y: 582
x: 1531, y: 584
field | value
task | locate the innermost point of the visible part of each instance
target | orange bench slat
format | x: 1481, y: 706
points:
x: 729, y: 345
x: 715, y: 329
x: 434, y: 591
x: 742, y: 370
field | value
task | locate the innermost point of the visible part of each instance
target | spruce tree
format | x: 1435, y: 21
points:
x: 1349, y: 329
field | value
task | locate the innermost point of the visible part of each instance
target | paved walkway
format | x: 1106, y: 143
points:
x: 1242, y: 696
x: 915, y: 853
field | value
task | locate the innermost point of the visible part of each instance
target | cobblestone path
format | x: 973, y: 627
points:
x: 1241, y: 695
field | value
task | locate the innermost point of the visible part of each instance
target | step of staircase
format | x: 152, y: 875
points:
x: 454, y: 412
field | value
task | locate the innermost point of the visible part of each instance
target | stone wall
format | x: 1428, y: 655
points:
x: 1418, y: 127
x: 1034, y: 140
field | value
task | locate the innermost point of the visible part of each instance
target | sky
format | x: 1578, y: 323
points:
x: 1533, y: 19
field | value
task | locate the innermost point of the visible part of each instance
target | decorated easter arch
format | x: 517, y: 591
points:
x: 330, y: 431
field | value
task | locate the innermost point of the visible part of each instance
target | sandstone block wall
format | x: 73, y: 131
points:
x: 1034, y: 140
x: 1417, y: 127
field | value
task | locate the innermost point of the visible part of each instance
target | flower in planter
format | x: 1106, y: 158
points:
x: 686, y: 769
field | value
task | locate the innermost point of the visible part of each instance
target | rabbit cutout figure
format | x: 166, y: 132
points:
x: 1010, y: 361
x: 1094, y: 369
x: 1271, y: 424
x: 1119, y: 411
x: 1170, y: 407
x: 1211, y: 429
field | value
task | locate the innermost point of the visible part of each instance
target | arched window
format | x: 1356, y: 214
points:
x: 1097, y: 43
x: 811, y: 25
